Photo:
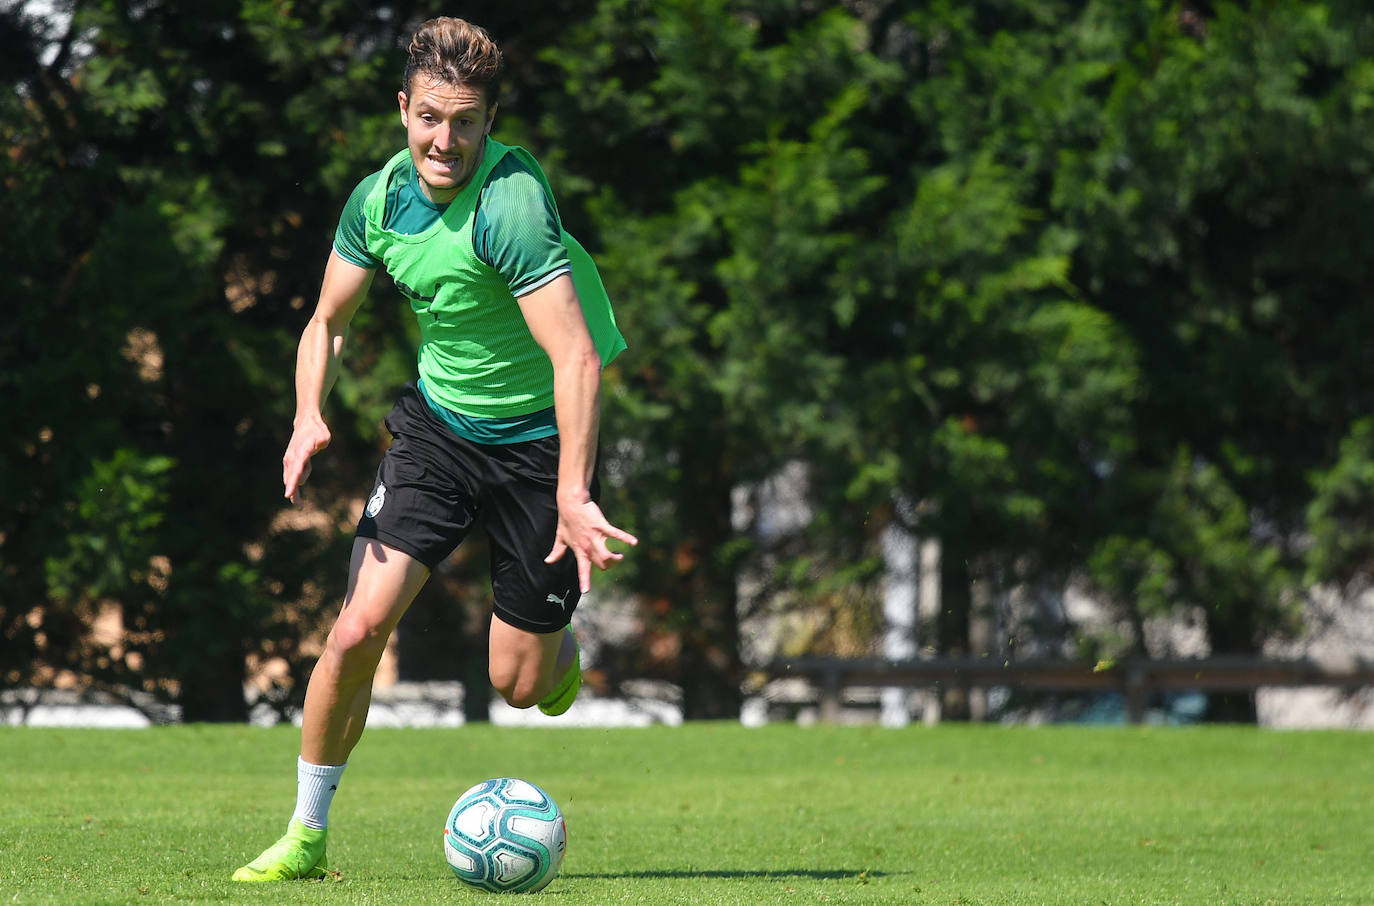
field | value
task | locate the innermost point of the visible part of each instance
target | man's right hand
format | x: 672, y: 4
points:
x: 310, y: 437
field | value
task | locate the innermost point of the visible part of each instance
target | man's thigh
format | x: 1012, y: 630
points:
x: 382, y: 583
x: 521, y: 660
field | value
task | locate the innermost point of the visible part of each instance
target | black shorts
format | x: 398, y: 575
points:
x: 433, y: 487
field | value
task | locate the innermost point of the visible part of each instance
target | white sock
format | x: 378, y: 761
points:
x: 315, y: 788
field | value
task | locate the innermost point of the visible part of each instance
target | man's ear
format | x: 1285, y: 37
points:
x: 404, y: 102
x: 491, y: 118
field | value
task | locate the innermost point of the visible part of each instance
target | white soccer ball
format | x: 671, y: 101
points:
x: 505, y: 835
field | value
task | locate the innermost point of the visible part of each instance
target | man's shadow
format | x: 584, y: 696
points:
x: 815, y: 874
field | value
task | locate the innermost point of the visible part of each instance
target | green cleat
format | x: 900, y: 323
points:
x: 563, y: 694
x: 298, y: 855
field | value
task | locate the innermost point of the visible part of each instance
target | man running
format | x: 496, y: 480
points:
x: 501, y: 427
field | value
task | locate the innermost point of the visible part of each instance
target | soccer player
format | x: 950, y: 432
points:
x: 501, y: 427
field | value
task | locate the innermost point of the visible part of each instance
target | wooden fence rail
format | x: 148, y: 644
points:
x: 1136, y: 679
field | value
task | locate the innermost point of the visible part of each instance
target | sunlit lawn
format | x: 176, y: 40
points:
x: 713, y: 814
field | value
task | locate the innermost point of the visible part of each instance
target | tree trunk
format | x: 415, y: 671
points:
x: 1232, y: 631
x: 443, y: 635
x: 952, y: 623
x: 710, y: 671
x: 212, y: 686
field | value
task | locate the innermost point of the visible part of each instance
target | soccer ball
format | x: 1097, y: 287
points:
x: 505, y: 835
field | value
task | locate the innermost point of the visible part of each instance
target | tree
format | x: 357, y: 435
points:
x: 153, y: 217
x: 727, y: 197
x: 1184, y: 172
x: 1083, y: 283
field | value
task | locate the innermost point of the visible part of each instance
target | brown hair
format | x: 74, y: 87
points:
x: 457, y: 52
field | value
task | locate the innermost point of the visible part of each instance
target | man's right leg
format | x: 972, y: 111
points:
x: 382, y: 583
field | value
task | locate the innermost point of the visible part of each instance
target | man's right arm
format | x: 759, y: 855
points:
x: 344, y: 288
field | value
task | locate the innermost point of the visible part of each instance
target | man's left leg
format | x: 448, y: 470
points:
x: 527, y: 668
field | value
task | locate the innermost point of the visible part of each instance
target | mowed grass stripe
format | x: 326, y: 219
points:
x: 713, y: 814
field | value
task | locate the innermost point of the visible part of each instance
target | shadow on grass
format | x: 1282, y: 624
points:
x: 815, y: 874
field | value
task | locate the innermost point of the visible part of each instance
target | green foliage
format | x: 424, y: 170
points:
x: 1172, y: 164
x: 1340, y: 516
x: 157, y: 257
x: 119, y: 507
x: 1084, y: 283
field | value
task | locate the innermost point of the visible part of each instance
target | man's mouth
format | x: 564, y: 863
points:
x: 447, y: 164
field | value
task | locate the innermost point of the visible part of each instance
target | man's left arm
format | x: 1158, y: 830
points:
x: 555, y: 319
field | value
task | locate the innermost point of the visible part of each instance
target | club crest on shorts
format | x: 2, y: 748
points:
x: 378, y: 498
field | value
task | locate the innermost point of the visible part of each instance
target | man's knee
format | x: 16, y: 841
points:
x: 522, y: 663
x: 355, y: 640
x: 520, y: 690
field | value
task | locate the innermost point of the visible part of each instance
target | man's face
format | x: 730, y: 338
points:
x: 445, y: 128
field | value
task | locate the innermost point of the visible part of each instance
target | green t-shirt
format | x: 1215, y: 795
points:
x: 515, y: 232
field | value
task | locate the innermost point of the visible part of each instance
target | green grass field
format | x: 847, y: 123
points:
x: 713, y: 814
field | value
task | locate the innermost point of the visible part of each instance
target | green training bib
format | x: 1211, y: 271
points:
x: 477, y: 355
